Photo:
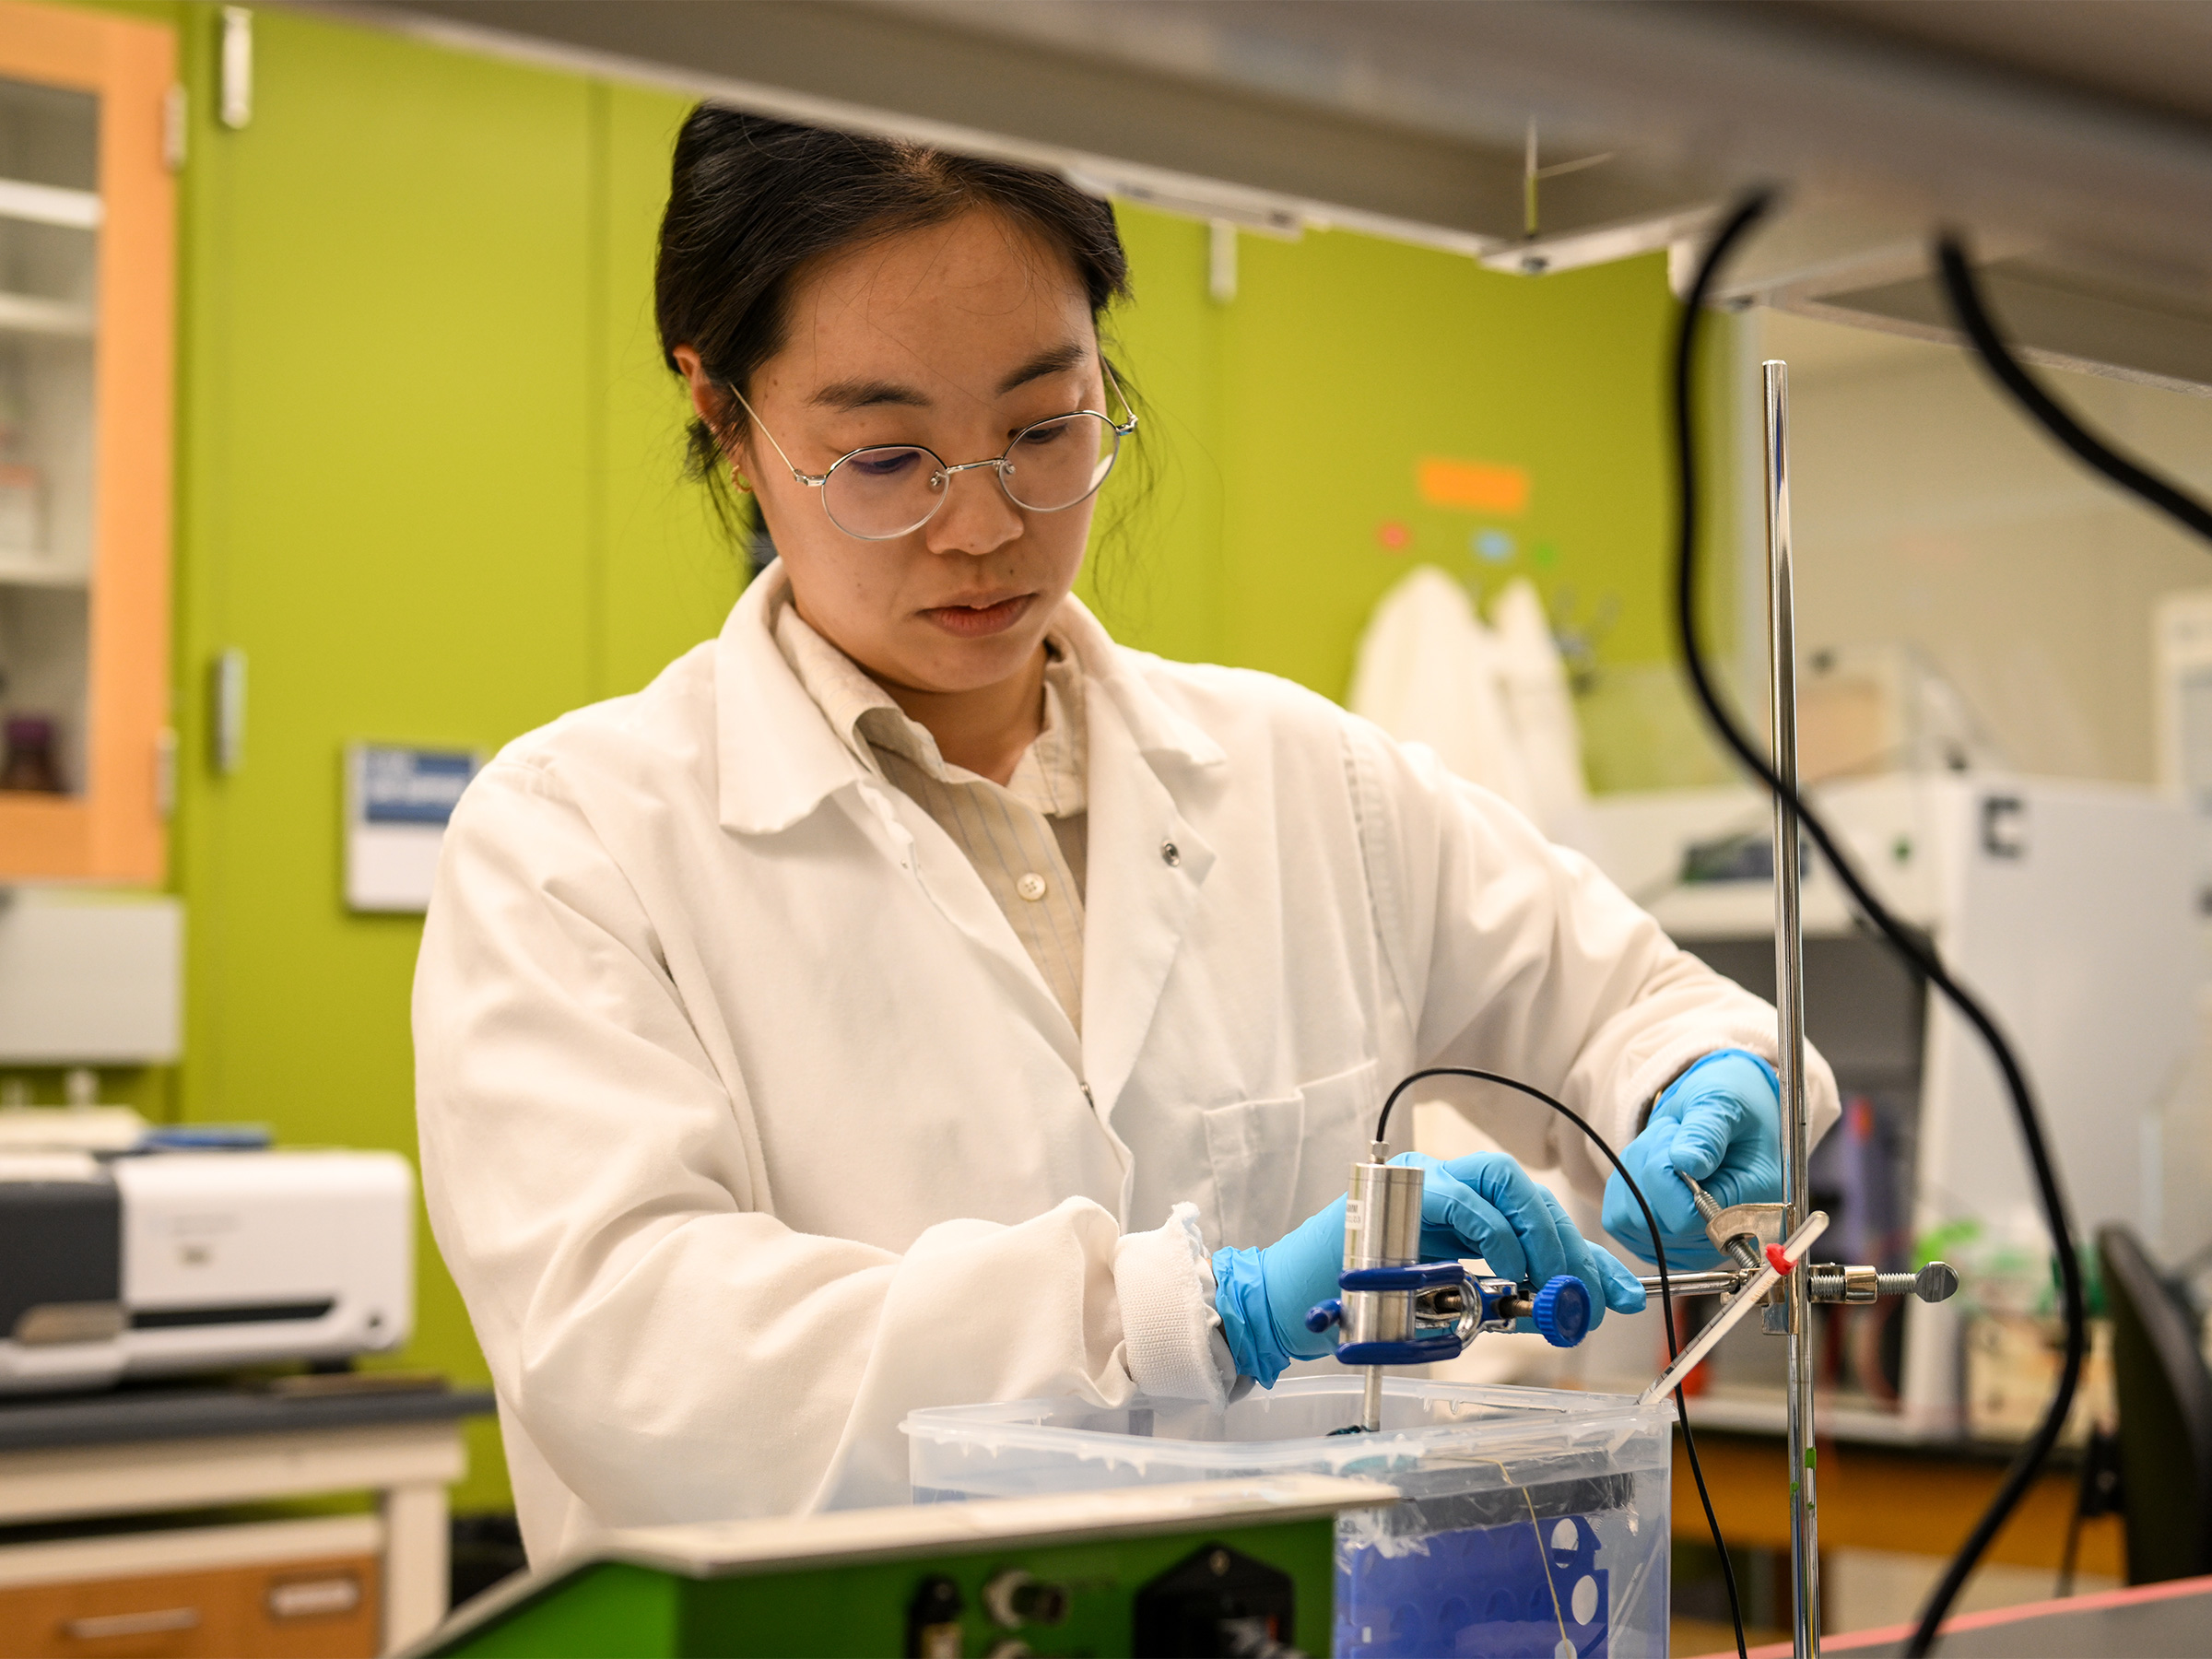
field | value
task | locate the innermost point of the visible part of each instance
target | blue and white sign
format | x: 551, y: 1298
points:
x: 397, y: 802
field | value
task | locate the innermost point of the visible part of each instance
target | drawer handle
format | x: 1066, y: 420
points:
x: 315, y: 1597
x: 131, y: 1624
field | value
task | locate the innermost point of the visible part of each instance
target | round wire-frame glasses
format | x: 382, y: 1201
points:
x: 887, y: 491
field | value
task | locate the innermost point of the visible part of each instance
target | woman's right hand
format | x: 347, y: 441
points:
x: 1483, y: 1205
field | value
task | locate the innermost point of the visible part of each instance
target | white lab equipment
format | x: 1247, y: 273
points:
x: 90, y: 976
x: 2182, y: 682
x: 196, y: 1261
x: 2065, y: 905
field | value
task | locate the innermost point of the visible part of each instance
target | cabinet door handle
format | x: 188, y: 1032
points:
x: 107, y: 1625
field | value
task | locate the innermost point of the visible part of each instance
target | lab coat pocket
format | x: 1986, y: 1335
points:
x: 1274, y: 1162
x: 1340, y: 1127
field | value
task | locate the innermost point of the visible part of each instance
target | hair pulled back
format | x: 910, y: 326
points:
x: 753, y: 202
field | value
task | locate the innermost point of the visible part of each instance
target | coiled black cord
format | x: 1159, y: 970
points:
x: 1666, y: 1293
x: 1909, y: 945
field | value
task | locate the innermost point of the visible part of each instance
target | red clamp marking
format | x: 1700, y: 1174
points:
x: 1779, y: 1261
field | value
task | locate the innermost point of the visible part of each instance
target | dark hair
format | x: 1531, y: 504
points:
x: 752, y: 202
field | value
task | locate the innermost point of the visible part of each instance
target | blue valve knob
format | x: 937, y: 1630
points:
x: 1561, y: 1311
x: 1321, y: 1316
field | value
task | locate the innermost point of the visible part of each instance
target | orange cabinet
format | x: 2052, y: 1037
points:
x: 313, y: 1609
x: 88, y: 231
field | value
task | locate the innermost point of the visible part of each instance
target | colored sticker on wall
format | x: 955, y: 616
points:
x: 1474, y: 486
x: 1493, y: 545
x: 1393, y: 536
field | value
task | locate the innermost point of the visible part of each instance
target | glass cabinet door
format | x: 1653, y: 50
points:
x: 87, y: 285
x: 50, y: 214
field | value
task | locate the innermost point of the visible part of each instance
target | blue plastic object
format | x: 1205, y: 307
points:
x: 207, y: 1137
x: 1519, y: 1588
x: 1426, y: 1351
x: 1561, y: 1311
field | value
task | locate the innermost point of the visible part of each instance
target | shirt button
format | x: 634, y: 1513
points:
x: 1030, y: 886
x: 1170, y: 854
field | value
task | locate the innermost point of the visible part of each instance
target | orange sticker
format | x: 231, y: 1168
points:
x: 1476, y: 485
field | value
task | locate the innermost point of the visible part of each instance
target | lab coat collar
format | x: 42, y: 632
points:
x: 1156, y: 729
x: 779, y: 758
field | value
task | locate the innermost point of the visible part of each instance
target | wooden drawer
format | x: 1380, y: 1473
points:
x: 292, y: 1610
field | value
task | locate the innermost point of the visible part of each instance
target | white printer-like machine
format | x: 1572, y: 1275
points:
x: 188, y: 1261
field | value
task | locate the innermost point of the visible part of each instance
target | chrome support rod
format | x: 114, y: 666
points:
x: 1789, y: 1002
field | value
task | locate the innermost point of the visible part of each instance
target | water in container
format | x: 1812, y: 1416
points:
x: 1530, y: 1520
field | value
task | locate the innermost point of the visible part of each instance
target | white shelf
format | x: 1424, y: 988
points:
x: 40, y: 570
x: 25, y: 313
x: 49, y: 204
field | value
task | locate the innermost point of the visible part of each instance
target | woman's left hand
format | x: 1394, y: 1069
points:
x: 1491, y: 1207
x: 1720, y: 1123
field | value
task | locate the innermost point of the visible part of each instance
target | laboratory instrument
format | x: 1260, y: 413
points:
x: 1524, y: 1518
x: 175, y: 1261
x: 1398, y: 1310
x: 2017, y: 881
x: 1759, y: 1269
x: 1235, y: 1567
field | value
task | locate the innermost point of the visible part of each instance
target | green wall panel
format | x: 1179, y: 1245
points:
x: 1155, y: 572
x: 1285, y: 430
x: 665, y: 578
x: 1352, y: 361
x: 387, y: 410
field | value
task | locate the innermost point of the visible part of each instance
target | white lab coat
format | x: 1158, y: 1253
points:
x: 1428, y: 671
x: 747, y: 1125
x: 1491, y: 701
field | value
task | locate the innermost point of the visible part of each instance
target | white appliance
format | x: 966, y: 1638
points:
x: 90, y: 976
x: 2065, y: 906
x: 199, y: 1261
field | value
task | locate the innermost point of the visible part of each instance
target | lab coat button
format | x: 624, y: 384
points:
x: 1170, y: 854
x: 1030, y: 886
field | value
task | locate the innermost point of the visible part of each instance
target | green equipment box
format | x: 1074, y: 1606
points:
x: 1244, y: 1567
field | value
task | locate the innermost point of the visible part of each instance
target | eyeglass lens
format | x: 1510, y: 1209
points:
x: 879, y: 493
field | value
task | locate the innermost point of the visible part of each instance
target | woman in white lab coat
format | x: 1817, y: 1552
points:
x: 913, y: 997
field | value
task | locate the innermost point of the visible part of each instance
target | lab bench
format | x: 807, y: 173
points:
x: 334, y: 1585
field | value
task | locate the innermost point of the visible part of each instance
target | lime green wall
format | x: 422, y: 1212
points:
x: 1294, y: 417
x: 428, y: 482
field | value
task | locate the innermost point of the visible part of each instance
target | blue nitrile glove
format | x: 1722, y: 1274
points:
x: 1492, y: 1208
x: 1482, y: 1205
x: 1720, y: 1121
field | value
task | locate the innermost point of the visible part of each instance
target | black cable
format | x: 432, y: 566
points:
x: 1666, y: 1293
x: 1959, y: 288
x: 1909, y: 945
x: 1996, y: 356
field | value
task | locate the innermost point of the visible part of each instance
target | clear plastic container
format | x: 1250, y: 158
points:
x: 1534, y: 1520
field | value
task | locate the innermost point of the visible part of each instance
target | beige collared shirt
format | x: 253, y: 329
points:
x: 1027, y: 839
